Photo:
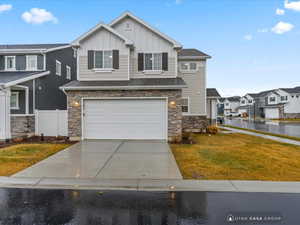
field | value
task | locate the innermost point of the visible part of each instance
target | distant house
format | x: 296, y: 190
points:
x: 220, y: 106
x: 231, y: 105
x: 212, y: 96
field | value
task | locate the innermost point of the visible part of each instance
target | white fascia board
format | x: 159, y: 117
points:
x: 193, y: 57
x: 16, y: 51
x: 129, y: 14
x: 22, y: 80
x: 122, y: 88
x: 58, y: 48
x: 97, y: 27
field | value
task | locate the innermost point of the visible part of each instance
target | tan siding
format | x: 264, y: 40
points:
x: 196, y: 90
x: 120, y: 74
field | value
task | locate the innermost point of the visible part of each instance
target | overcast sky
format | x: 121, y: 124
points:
x: 254, y: 44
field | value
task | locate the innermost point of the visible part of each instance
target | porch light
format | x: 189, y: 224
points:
x: 172, y: 187
x: 75, y: 103
x: 172, y: 103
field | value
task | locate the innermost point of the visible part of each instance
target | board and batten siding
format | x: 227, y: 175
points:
x: 146, y: 41
x: 196, y: 90
x: 103, y: 40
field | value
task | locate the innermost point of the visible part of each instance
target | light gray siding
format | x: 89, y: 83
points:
x: 196, y: 90
x: 145, y: 41
x: 103, y: 40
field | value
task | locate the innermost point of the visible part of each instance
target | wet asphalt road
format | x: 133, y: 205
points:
x: 290, y: 129
x: 67, y: 207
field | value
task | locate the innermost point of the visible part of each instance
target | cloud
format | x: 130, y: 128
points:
x: 38, y: 16
x: 280, y: 12
x: 292, y: 5
x: 263, y: 30
x: 178, y: 2
x: 5, y: 7
x: 248, y: 37
x: 282, y: 27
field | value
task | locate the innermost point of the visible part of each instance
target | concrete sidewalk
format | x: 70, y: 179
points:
x: 151, y: 185
x: 274, y: 138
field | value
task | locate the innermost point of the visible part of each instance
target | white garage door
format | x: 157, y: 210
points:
x: 272, y: 113
x: 125, y: 119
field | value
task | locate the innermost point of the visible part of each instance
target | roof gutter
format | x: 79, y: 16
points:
x: 194, y: 57
x: 122, y: 87
x: 22, y: 80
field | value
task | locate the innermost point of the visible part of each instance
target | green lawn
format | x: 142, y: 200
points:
x: 238, y: 157
x: 20, y: 156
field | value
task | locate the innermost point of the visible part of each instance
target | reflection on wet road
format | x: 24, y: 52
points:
x: 290, y: 129
x: 66, y: 207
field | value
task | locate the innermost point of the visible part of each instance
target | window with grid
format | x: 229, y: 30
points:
x: 153, y: 61
x: 185, y: 105
x: 68, y: 75
x: 103, y: 59
x: 14, y: 100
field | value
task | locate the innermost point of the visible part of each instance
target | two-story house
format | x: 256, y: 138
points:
x: 134, y: 82
x: 30, y: 77
x: 231, y: 105
x: 247, y: 105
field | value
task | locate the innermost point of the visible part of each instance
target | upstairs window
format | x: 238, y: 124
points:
x: 103, y: 59
x: 188, y: 66
x: 243, y: 102
x: 31, y: 62
x: 250, y: 101
x: 10, y: 63
x: 58, y: 68
x: 185, y: 105
x: 284, y: 98
x: 14, y: 100
x: 68, y: 75
x: 272, y: 99
x: 153, y: 61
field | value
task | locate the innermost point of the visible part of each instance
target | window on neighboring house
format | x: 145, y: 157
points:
x: 250, y: 101
x: 10, y: 62
x: 153, y: 61
x: 243, y: 102
x: 103, y: 59
x: 188, y: 66
x: 58, y: 68
x: 284, y: 98
x: 272, y: 99
x: 14, y: 100
x: 185, y: 105
x: 68, y: 75
x: 31, y: 61
x: 227, y: 104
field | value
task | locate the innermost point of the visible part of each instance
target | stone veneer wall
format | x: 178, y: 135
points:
x: 194, y: 123
x: 174, y: 112
x: 291, y: 115
x: 22, y: 126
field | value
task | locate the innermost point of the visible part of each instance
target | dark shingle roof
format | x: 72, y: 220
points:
x: 292, y: 90
x: 142, y: 82
x: 6, y: 77
x: 186, y: 52
x: 32, y: 46
x: 234, y: 99
x: 212, y: 92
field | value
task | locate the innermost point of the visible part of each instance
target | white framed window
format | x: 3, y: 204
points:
x: 68, y: 73
x: 10, y: 62
x: 185, y: 106
x: 103, y: 59
x: 272, y: 99
x: 283, y: 98
x: 188, y: 66
x: 14, y: 100
x: 250, y: 101
x: 58, y: 68
x: 153, y: 61
x: 31, y: 62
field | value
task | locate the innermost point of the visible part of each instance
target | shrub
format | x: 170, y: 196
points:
x: 212, y: 129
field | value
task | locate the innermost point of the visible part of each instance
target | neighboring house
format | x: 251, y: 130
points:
x: 30, y: 77
x: 220, y: 106
x: 135, y: 82
x: 212, y: 96
x: 247, y: 104
x: 231, y: 105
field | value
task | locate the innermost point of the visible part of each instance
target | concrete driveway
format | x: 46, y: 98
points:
x: 112, y: 159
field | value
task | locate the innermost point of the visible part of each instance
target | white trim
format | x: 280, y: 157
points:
x: 189, y: 68
x: 26, y: 97
x: 22, y: 80
x: 16, y: 115
x: 129, y: 63
x: 194, y: 57
x: 103, y: 69
x: 123, y: 87
x: 33, y: 95
x: 24, y: 51
x: 128, y: 14
x: 17, y: 107
x: 68, y: 73
x: 188, y: 105
x: 152, y: 59
x: 58, y: 73
x: 97, y: 27
x: 27, y: 63
x: 5, y: 63
x: 58, y: 48
x: 124, y: 98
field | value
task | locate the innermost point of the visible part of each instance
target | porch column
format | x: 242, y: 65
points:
x: 5, y: 114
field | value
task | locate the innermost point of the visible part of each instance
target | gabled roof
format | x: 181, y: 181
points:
x: 98, y: 27
x: 192, y: 53
x: 234, y: 99
x: 294, y: 90
x: 130, y: 15
x: 8, y: 79
x: 32, y: 48
x: 212, y: 92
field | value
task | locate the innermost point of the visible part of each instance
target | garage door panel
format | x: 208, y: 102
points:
x: 272, y: 113
x: 125, y: 119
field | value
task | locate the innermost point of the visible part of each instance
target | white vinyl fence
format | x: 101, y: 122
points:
x: 51, y: 122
